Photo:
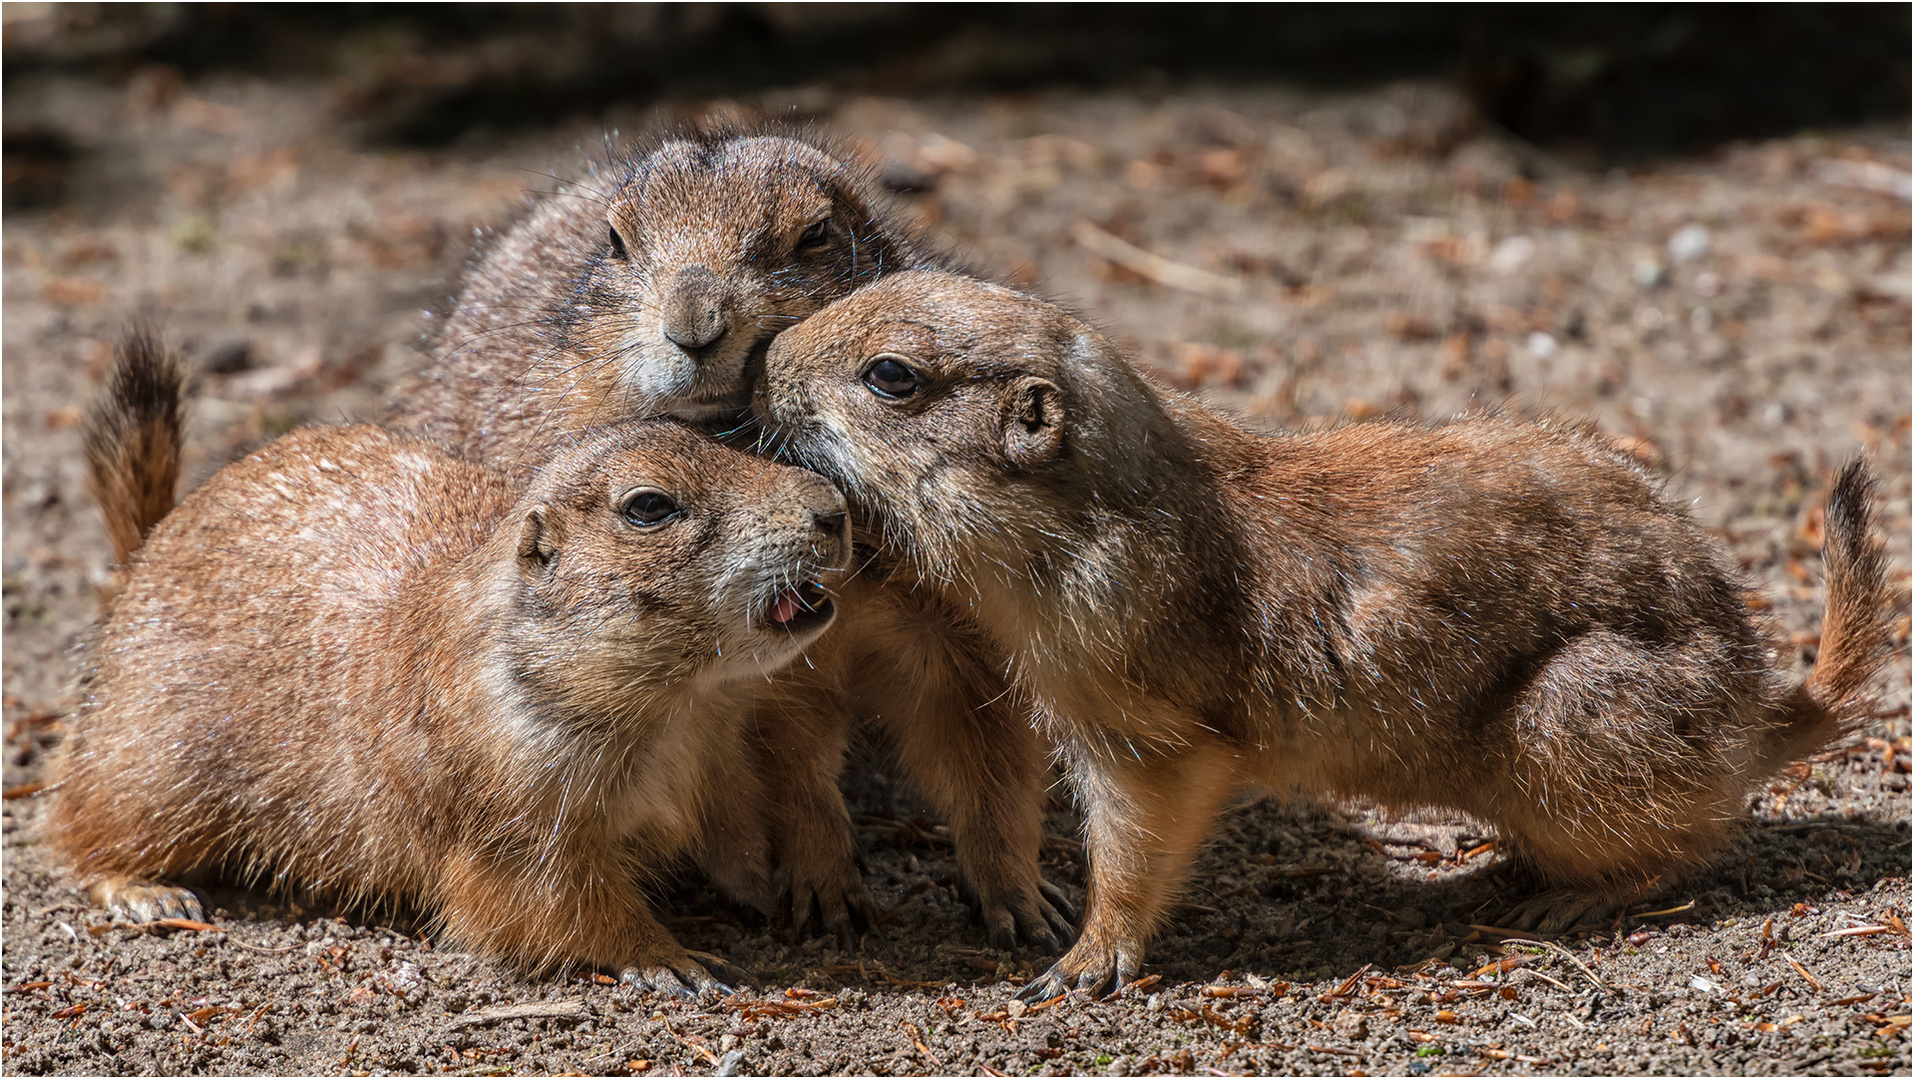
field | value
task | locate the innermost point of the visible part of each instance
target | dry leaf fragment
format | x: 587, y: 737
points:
x: 1856, y: 1000
x: 1804, y: 972
x: 1347, y: 986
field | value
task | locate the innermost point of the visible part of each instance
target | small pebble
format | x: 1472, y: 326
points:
x: 1690, y: 242
x: 1649, y: 272
x: 1542, y: 346
x: 1512, y: 254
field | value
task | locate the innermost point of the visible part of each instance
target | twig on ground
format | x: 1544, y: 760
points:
x: 1153, y: 266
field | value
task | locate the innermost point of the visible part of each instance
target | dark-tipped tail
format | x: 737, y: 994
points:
x: 133, y: 441
x: 1857, y: 632
x: 1857, y: 638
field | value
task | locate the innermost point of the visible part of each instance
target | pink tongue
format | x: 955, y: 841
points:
x: 786, y: 609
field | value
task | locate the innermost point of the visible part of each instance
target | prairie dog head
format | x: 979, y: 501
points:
x: 712, y: 244
x: 977, y: 423
x: 650, y: 556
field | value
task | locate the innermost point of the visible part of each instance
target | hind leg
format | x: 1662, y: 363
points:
x: 1623, y: 766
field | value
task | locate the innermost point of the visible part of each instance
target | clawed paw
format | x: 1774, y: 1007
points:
x: 145, y: 901
x: 1040, y: 917
x: 1089, y: 970
x: 1559, y: 911
x: 687, y: 974
x: 844, y: 909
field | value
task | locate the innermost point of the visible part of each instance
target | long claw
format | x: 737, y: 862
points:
x: 1059, y: 900
x: 1042, y: 988
x: 1128, y: 963
x: 660, y: 979
x: 1000, y: 928
x: 1026, y: 915
x: 724, y: 974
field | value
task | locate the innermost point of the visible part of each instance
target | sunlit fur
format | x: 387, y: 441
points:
x: 554, y: 332
x: 354, y: 664
x: 133, y: 441
x: 1500, y: 617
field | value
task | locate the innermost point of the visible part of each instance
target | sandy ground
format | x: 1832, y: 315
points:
x: 1743, y: 322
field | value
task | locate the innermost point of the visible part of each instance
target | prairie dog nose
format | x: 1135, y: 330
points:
x: 695, y: 314
x: 824, y: 506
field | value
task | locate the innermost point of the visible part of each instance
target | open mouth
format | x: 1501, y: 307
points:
x: 806, y: 607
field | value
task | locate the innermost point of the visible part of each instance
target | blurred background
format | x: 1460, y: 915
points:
x: 1592, y: 83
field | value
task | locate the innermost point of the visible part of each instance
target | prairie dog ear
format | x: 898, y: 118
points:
x: 539, y: 540
x: 1033, y: 421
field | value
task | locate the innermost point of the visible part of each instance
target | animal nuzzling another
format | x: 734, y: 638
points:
x: 1500, y: 617
x: 353, y: 664
x: 651, y: 287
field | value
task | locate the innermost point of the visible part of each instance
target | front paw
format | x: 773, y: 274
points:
x: 1090, y: 968
x: 683, y: 973
x: 1559, y: 911
x: 834, y: 900
x: 1039, y: 916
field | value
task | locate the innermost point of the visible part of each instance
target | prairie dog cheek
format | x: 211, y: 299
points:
x: 652, y: 370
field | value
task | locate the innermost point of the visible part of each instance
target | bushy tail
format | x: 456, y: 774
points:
x: 1857, y: 633
x: 133, y: 441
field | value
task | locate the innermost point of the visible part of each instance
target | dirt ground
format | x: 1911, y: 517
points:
x: 1741, y: 321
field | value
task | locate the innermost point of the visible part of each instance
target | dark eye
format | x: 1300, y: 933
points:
x: 889, y: 376
x: 618, y: 245
x: 817, y: 236
x: 648, y: 507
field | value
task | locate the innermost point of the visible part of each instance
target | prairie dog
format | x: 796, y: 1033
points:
x: 355, y: 664
x: 647, y: 289
x: 1505, y: 618
x: 653, y: 288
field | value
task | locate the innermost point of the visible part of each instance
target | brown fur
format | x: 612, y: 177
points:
x: 354, y: 664
x: 653, y: 288
x: 559, y: 327
x: 1505, y: 618
x: 133, y: 441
